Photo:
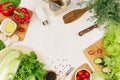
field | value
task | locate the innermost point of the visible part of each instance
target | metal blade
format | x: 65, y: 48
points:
x: 69, y: 71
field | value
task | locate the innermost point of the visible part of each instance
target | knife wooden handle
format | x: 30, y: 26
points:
x: 88, y: 29
x: 63, y: 77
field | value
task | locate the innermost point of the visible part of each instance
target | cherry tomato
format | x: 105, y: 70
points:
x: 83, y: 76
x: 21, y: 29
x: 87, y: 74
x: 81, y: 72
x: 78, y: 78
x: 91, y: 52
x: 99, y: 50
x: 86, y: 79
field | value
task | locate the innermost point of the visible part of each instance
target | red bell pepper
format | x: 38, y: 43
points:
x: 6, y: 8
x: 22, y: 15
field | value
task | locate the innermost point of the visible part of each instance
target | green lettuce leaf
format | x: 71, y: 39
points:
x: 14, y: 2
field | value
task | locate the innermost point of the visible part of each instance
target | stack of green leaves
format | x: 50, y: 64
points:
x: 111, y: 43
x: 111, y: 39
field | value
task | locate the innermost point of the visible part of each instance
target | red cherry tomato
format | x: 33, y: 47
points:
x: 21, y: 29
x: 78, y: 78
x: 91, y: 52
x: 99, y: 50
x: 81, y: 72
x: 83, y: 76
x: 87, y: 74
x: 86, y: 79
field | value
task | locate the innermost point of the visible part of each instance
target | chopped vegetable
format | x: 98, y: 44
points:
x: 91, y: 52
x: 2, y: 45
x: 106, y: 70
x: 99, y: 61
x: 99, y: 50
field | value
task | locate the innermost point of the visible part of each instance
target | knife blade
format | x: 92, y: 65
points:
x: 66, y: 74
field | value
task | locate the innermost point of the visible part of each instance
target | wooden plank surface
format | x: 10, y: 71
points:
x: 25, y: 26
x: 85, y: 66
x: 91, y: 58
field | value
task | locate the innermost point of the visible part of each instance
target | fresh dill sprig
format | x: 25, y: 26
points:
x: 104, y: 10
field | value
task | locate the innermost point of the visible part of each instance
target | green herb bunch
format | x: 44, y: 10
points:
x: 104, y: 10
x: 30, y: 68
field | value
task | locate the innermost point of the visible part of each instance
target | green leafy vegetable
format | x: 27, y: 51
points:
x: 2, y: 45
x: 111, y: 39
x: 30, y: 66
x: 14, y: 2
x: 104, y: 10
x: 9, y: 64
x: 18, y: 66
x: 111, y: 43
x: 99, y: 76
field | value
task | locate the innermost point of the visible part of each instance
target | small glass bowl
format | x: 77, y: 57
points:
x: 3, y: 25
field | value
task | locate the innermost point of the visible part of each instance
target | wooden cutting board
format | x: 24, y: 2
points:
x: 85, y: 66
x: 25, y: 26
x: 91, y: 58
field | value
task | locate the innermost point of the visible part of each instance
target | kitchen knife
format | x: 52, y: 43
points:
x: 66, y: 74
x: 88, y: 29
x: 101, y: 27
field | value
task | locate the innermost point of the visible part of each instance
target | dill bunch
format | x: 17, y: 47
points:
x: 104, y: 10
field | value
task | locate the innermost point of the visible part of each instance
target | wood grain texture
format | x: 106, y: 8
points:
x: 74, y: 15
x: 91, y: 58
x: 85, y: 66
x: 25, y: 26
